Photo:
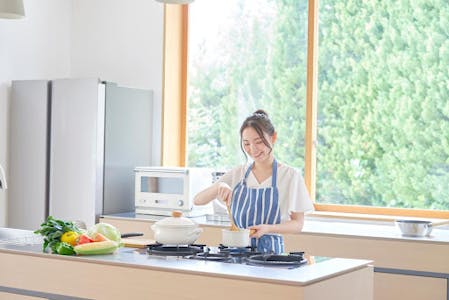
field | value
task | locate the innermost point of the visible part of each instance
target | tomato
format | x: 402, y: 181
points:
x: 98, y: 237
x: 84, y: 238
x: 70, y: 237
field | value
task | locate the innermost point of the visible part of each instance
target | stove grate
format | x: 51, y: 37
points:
x: 293, y: 259
x: 175, y: 250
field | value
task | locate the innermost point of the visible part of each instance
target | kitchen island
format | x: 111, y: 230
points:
x: 404, y: 267
x: 132, y: 273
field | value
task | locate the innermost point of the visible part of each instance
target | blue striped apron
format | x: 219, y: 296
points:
x: 254, y: 206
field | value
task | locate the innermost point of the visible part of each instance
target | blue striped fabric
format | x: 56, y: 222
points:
x: 254, y: 206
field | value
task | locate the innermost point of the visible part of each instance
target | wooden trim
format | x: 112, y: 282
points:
x: 184, y: 72
x: 389, y: 211
x: 174, y: 85
x: 311, y: 98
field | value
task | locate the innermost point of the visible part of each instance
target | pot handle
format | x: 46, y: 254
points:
x: 429, y: 228
x: 154, y: 228
x: 131, y: 234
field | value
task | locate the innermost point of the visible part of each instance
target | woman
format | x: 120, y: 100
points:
x: 266, y: 196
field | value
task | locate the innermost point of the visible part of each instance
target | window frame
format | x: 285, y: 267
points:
x: 174, y: 82
x: 174, y: 140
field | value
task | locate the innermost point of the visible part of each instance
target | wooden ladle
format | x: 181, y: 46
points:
x: 233, y: 226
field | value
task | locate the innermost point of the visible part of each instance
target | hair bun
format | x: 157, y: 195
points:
x: 260, y: 113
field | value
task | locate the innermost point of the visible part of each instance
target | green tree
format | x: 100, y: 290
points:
x: 258, y: 66
x: 383, y: 91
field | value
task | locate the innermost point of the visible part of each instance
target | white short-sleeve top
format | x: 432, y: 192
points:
x: 293, y: 195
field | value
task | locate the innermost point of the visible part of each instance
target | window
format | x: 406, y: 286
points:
x: 383, y: 101
x: 383, y: 109
x: 245, y: 55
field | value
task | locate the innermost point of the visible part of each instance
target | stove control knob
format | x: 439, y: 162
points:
x: 180, y: 203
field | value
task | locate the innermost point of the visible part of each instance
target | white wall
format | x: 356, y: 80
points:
x: 120, y: 41
x: 35, y: 47
x: 114, y: 40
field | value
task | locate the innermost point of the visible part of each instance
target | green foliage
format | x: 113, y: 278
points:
x: 383, y: 97
x: 383, y: 91
x: 260, y: 64
x: 52, y: 230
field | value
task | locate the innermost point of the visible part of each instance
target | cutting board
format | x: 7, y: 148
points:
x: 137, y: 243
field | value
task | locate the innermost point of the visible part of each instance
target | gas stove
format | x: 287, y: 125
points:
x: 246, y: 255
x: 175, y: 250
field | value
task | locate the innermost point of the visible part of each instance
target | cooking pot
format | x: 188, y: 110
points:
x: 235, y: 238
x: 417, y: 228
x: 176, y: 230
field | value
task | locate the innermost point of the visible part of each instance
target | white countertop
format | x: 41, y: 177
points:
x: 328, y: 226
x: 369, y: 229
x: 319, y: 268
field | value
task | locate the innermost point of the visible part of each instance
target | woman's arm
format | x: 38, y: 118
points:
x: 218, y: 190
x: 294, y: 225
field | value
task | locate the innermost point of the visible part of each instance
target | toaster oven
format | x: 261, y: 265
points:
x: 160, y: 190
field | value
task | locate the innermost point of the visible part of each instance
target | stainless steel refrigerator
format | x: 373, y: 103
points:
x: 73, y: 146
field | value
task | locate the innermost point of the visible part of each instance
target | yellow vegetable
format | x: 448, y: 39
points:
x: 70, y: 237
x: 96, y: 248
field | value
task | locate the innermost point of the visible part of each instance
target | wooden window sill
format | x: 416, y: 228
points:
x: 367, y: 217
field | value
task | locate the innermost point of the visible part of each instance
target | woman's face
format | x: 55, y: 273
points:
x: 254, y: 146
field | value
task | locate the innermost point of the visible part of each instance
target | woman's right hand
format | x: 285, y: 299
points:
x: 224, y: 193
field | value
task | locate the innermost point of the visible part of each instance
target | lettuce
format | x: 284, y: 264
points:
x: 107, y: 230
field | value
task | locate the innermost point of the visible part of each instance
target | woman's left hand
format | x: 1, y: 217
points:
x: 257, y: 231
x: 294, y: 225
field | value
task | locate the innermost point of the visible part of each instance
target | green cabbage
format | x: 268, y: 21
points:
x: 107, y: 230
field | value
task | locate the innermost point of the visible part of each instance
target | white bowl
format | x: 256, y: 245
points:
x: 414, y: 228
x: 237, y: 239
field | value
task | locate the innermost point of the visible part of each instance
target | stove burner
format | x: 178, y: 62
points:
x: 225, y: 254
x: 222, y: 257
x: 174, y: 250
x: 293, y: 259
x: 236, y: 251
x: 246, y: 255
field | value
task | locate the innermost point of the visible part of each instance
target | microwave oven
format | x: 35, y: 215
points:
x: 160, y: 190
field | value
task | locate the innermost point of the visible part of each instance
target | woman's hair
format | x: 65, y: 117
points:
x: 261, y: 123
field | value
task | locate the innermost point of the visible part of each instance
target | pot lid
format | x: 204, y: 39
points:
x: 176, y: 220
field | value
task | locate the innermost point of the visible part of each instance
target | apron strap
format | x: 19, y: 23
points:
x: 273, y: 173
x: 247, y: 173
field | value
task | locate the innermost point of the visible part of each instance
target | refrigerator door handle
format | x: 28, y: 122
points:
x: 3, y: 184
